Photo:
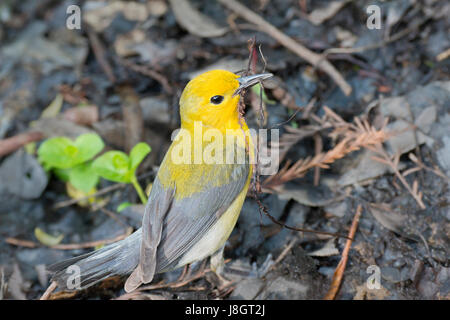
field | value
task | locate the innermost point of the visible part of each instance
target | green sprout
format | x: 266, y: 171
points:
x: 123, y: 206
x: 70, y: 160
x: 257, y: 89
x: 119, y: 167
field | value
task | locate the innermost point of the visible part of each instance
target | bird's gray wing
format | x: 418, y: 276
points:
x: 158, y: 206
x: 190, y: 218
x: 171, y: 226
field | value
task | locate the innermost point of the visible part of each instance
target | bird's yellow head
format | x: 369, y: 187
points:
x: 212, y: 99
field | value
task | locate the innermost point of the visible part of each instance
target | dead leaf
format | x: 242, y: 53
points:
x: 42, y: 274
x: 310, y: 196
x: 329, y: 249
x: 83, y: 115
x: 363, y: 168
x: 99, y: 14
x: 3, y: 284
x: 156, y: 8
x: 16, y: 284
x: 124, y: 44
x: 56, y: 127
x: 132, y: 117
x: 363, y: 293
x: 388, y: 218
x: 46, y: 238
x: 195, y: 22
x: 53, y: 108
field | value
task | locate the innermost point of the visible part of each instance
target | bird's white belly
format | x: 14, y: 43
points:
x: 217, y: 235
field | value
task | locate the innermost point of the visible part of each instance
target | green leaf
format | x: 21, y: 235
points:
x: 257, y: 90
x: 83, y: 177
x: 89, y: 145
x: 123, y: 205
x: 57, y: 152
x: 62, y: 174
x: 46, y: 238
x: 137, y: 154
x: 113, y: 165
x: 63, y: 153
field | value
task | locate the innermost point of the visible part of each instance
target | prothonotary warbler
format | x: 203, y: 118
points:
x: 196, y: 196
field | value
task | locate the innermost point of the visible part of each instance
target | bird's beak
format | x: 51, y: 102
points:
x: 248, y: 81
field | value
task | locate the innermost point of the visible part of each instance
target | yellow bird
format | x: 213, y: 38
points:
x: 196, y: 197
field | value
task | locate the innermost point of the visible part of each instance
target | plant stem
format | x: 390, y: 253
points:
x: 139, y: 190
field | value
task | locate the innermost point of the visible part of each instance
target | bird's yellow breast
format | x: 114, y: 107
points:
x: 188, y: 174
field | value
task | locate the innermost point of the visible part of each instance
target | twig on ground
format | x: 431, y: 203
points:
x: 132, y: 116
x: 99, y: 53
x: 293, y: 136
x: 284, y: 253
x: 315, y: 59
x: 147, y: 71
x: 263, y: 209
x: 68, y: 246
x: 339, y: 272
x: 70, y: 202
x: 49, y: 290
x: 384, y: 157
x: 318, y: 145
x: 420, y: 165
x: 11, y: 144
x: 172, y: 285
x: 105, y: 190
x: 443, y: 55
x: 113, y: 216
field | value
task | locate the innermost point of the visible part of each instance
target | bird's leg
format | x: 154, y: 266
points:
x: 218, y: 265
x: 184, y: 273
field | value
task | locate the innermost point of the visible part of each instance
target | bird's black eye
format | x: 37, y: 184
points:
x: 217, y: 99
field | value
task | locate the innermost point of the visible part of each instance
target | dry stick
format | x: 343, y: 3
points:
x: 49, y: 290
x: 145, y: 70
x: 263, y: 209
x: 339, y: 272
x: 285, y: 122
x: 256, y: 183
x: 386, y: 159
x: 318, y: 145
x: 108, y: 189
x: 11, y: 144
x: 70, y: 202
x: 68, y: 246
x: 282, y: 255
x: 420, y: 165
x: 313, y: 58
x: 162, y: 285
x: 132, y: 116
x: 113, y: 216
x: 99, y: 53
x: 356, y: 136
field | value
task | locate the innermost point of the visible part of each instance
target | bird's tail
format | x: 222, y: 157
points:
x: 116, y: 259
